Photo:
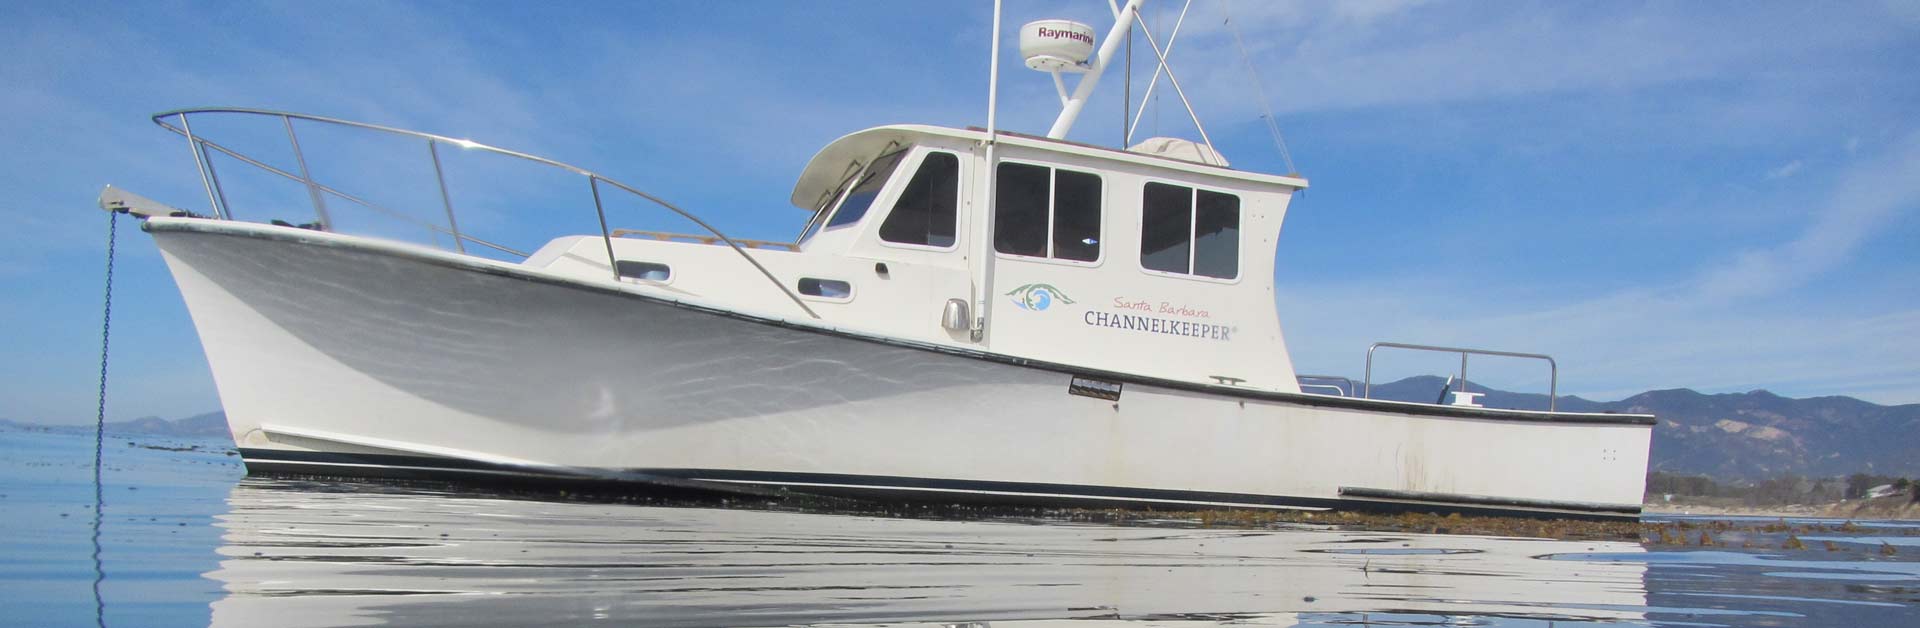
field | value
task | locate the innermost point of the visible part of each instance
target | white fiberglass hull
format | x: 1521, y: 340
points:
x: 347, y: 356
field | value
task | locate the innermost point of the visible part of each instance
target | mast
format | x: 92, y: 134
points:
x: 1122, y: 20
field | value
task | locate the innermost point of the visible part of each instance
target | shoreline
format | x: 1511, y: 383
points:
x: 1712, y: 510
x: 1893, y: 508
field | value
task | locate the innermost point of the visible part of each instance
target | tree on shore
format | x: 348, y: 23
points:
x: 1777, y: 491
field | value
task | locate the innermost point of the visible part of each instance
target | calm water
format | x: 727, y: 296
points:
x: 188, y: 541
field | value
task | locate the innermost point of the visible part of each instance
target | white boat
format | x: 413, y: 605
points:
x: 970, y: 314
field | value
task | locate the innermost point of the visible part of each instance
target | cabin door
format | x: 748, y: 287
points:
x: 1048, y: 246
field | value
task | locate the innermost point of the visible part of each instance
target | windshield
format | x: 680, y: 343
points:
x: 860, y: 198
x: 855, y: 195
x: 818, y: 212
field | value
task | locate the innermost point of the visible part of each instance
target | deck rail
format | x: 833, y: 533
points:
x: 1553, y: 385
x: 179, y: 122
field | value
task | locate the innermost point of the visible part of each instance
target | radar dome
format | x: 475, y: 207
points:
x: 1056, y: 45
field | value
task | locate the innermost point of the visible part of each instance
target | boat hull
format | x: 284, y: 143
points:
x: 339, y: 355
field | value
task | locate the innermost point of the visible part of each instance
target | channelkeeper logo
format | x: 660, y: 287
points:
x: 1156, y: 325
x: 1166, y: 318
x: 1037, y: 297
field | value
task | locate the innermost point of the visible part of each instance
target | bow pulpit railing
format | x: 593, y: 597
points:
x: 323, y: 195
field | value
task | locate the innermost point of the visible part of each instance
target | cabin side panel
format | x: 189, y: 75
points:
x: 1175, y: 281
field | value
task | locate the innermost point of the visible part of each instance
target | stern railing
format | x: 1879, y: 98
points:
x: 319, y: 192
x: 1553, y: 385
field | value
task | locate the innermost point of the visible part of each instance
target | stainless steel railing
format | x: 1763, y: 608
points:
x: 1553, y: 386
x: 1343, y: 392
x: 318, y: 192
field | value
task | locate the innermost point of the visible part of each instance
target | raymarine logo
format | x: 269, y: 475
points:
x: 1054, y: 33
x: 1037, y: 296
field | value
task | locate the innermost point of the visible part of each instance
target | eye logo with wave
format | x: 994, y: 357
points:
x: 1037, y: 296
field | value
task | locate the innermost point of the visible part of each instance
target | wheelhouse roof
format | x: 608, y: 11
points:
x: 829, y: 167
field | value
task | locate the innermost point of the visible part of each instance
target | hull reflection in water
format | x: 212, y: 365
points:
x: 297, y: 554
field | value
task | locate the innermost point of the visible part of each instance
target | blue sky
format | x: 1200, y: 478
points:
x: 1722, y: 196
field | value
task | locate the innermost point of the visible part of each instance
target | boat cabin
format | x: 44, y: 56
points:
x: 1155, y: 261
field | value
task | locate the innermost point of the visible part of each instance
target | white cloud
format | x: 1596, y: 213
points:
x: 1866, y: 197
x: 1369, y: 11
x: 1322, y: 56
x: 1737, y: 324
x: 1785, y: 170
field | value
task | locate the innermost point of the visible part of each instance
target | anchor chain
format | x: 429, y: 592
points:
x: 100, y: 422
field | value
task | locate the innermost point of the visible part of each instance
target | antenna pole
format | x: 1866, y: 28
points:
x: 983, y: 210
x: 1126, y: 95
x: 993, y: 75
x: 1069, y: 112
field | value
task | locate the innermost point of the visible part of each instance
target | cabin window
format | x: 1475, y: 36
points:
x: 925, y: 213
x: 1044, y: 212
x: 1190, y: 231
x: 859, y: 196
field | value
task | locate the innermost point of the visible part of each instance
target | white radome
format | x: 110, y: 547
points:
x: 1056, y: 45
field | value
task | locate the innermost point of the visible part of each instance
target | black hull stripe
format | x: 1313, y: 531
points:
x: 305, y: 237
x: 926, y: 489
x: 1484, y: 500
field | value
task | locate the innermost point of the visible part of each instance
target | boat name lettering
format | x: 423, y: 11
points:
x: 1153, y: 325
x: 1164, y: 307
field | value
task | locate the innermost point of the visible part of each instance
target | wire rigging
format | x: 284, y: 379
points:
x: 1266, y: 109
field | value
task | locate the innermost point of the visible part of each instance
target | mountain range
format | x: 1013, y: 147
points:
x: 199, y: 425
x: 1742, y: 437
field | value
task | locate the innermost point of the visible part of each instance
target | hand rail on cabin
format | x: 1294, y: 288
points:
x: 694, y: 237
x: 1344, y: 392
x: 1553, y: 386
x: 1337, y: 391
x: 215, y: 195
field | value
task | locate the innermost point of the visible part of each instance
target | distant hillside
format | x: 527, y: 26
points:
x: 196, y: 425
x: 20, y: 425
x: 1747, y: 436
x: 209, y: 424
x: 1759, y: 434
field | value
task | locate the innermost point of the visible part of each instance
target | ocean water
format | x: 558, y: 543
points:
x: 188, y: 540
